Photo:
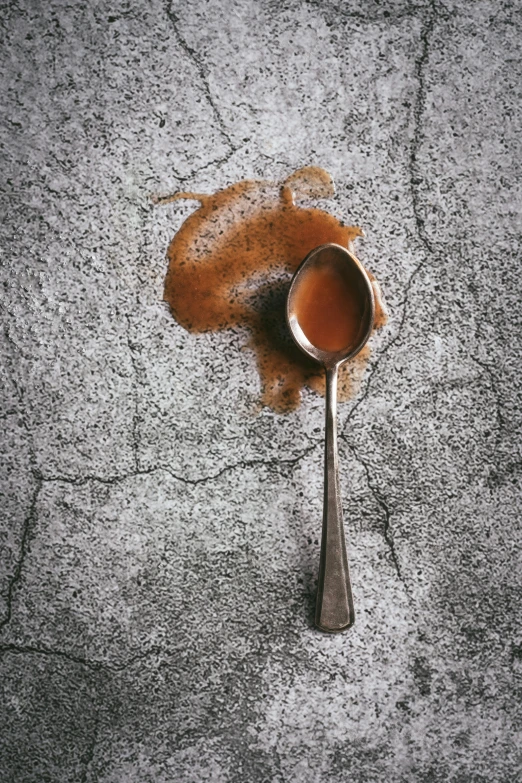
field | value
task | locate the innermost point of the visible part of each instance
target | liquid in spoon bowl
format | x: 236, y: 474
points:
x: 329, y: 307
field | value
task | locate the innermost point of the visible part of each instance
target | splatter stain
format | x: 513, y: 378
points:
x: 231, y: 264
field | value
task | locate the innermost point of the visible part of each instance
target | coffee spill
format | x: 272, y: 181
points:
x: 231, y: 264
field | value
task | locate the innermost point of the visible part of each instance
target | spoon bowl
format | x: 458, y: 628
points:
x: 330, y: 313
x: 332, y: 264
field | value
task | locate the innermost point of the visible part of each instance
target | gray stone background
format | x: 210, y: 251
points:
x: 159, y: 540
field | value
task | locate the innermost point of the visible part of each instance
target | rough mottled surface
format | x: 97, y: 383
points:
x: 159, y: 540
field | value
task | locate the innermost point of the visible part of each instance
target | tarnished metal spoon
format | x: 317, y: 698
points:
x: 331, y: 334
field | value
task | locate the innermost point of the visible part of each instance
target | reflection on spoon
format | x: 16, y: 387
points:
x: 230, y: 265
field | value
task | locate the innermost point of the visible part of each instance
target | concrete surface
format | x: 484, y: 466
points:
x: 159, y: 541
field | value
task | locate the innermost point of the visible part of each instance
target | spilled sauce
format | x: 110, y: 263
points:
x: 231, y: 264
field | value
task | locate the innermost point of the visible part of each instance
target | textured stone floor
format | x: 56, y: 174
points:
x: 159, y: 539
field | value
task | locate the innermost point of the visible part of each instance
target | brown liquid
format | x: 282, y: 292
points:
x: 231, y: 263
x: 328, y: 307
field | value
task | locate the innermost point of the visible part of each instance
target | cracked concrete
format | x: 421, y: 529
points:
x: 159, y: 535
x: 388, y: 536
x: 193, y: 55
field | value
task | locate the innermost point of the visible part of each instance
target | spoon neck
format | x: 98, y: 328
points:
x: 331, y: 457
x: 332, y: 374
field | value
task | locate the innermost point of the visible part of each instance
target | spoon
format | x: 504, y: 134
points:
x: 330, y: 312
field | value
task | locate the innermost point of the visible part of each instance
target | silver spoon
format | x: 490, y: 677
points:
x: 334, y: 610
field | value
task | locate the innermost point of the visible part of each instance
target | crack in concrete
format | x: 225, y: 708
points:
x: 94, y: 665
x: 28, y: 523
x: 135, y: 415
x: 187, y: 178
x: 418, y: 113
x: 415, y: 180
x: 387, y: 532
x: 196, y: 59
x: 31, y: 513
x: 242, y: 465
x: 217, y: 162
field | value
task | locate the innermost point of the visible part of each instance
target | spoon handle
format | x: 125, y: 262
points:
x: 334, y: 610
